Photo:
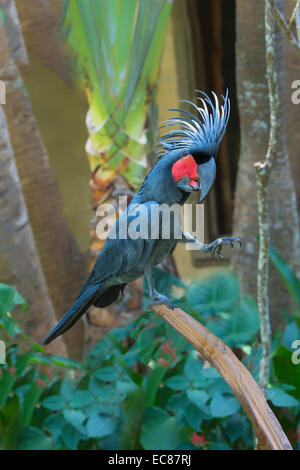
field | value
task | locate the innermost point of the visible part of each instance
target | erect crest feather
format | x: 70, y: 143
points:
x: 203, y: 132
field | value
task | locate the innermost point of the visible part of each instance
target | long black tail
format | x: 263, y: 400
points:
x: 78, y: 308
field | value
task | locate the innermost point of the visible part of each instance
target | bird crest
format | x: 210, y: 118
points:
x: 198, y: 133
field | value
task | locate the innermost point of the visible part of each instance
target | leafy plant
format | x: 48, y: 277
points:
x: 118, y: 47
x: 286, y: 373
x: 144, y: 386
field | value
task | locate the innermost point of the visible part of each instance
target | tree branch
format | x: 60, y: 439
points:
x: 286, y: 27
x: 293, y: 16
x: 263, y: 171
x: 265, y: 424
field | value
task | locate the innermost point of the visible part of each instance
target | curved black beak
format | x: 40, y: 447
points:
x: 207, y: 174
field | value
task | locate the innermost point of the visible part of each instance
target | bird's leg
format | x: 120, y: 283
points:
x: 156, y: 296
x: 213, y: 248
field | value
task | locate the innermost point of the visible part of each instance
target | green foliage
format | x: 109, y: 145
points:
x: 286, y: 369
x: 288, y: 276
x: 216, y: 294
x: 9, y: 298
x: 144, y: 386
x: 118, y: 46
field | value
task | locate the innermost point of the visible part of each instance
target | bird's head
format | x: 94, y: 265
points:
x: 199, y: 139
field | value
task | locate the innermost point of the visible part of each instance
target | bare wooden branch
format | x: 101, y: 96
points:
x: 297, y: 20
x: 293, y: 16
x: 263, y: 276
x: 265, y: 424
x: 286, y: 27
x: 263, y: 171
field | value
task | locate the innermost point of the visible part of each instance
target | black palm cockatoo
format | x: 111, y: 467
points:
x: 186, y: 164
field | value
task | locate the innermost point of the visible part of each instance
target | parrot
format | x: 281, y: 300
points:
x: 186, y: 163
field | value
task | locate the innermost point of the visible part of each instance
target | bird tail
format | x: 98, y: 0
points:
x: 78, y: 308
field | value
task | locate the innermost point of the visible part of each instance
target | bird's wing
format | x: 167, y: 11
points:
x: 121, y: 255
x: 118, y: 257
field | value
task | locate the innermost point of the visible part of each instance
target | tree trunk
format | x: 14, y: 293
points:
x: 254, y: 119
x: 292, y: 63
x: 63, y: 265
x: 41, y: 29
x: 19, y: 261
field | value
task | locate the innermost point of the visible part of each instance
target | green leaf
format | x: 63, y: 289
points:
x: 30, y: 400
x: 133, y: 411
x: 107, y: 374
x: 118, y: 46
x: 235, y: 427
x: 193, y: 370
x: 81, y: 398
x: 291, y: 333
x: 9, y: 298
x: 107, y: 394
x: 55, y: 424
x: 34, y: 439
x: 287, y: 274
x: 219, y: 445
x: 177, y: 402
x: 11, y: 423
x: 198, y: 397
x: 9, y: 378
x: 74, y: 417
x: 214, y: 294
x: 57, y: 361
x: 153, y: 382
x: 222, y: 405
x: 71, y: 436
x: 160, y: 431
x: 68, y: 388
x: 238, y: 327
x: 194, y: 416
x: 285, y: 370
x: 127, y: 372
x: 177, y: 382
x: 55, y: 403
x: 280, y: 398
x: 99, y: 426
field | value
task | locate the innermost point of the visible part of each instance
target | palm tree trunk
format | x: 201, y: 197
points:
x: 254, y: 119
x: 63, y: 265
x: 41, y: 29
x: 19, y: 260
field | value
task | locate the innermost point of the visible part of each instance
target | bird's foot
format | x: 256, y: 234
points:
x: 215, y: 247
x: 160, y: 299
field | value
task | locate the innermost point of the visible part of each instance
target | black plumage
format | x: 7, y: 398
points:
x: 123, y: 260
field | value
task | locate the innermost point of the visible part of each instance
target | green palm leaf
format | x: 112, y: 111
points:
x: 117, y: 45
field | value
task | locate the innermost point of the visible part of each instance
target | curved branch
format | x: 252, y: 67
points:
x: 286, y: 27
x: 265, y: 424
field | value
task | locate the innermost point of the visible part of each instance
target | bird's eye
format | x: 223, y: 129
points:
x: 201, y: 157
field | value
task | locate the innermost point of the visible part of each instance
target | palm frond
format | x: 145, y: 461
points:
x: 118, y: 46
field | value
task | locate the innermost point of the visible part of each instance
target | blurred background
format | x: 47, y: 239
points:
x: 87, y: 85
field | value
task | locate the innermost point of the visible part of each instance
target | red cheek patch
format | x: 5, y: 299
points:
x: 186, y: 166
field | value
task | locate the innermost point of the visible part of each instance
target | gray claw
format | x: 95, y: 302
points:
x: 215, y: 248
x: 162, y: 299
x: 237, y: 240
